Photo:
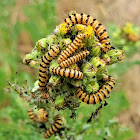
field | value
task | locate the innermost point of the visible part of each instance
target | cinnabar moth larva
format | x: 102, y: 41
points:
x: 44, y: 66
x: 133, y: 38
x: 67, y: 72
x: 97, y: 97
x: 74, y: 58
x: 55, y: 127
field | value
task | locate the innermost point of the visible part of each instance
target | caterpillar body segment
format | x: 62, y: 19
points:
x: 98, y: 96
x: 44, y: 66
x: 55, y: 127
x: 71, y: 48
x: 67, y: 72
x: 32, y: 116
x: 42, y: 115
x: 74, y: 58
x: 100, y: 31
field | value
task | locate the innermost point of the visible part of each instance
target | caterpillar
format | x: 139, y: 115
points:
x: 98, y: 96
x: 74, y: 58
x: 55, y: 127
x: 100, y: 31
x: 67, y: 72
x: 44, y: 66
x: 133, y: 38
x: 42, y: 115
x: 32, y: 116
x: 71, y: 48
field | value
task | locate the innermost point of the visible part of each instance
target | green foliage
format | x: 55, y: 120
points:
x: 42, y: 18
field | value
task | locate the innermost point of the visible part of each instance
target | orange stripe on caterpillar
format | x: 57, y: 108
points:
x: 42, y: 115
x: 32, y: 116
x: 67, y: 72
x: 44, y: 66
x: 71, y: 48
x: 100, y: 31
x: 97, y: 97
x: 74, y: 58
x: 55, y: 127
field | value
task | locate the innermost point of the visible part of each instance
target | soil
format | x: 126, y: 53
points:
x: 116, y: 11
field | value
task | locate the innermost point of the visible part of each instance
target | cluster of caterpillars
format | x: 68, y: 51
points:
x: 65, y: 59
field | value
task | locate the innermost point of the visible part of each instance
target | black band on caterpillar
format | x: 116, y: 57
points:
x: 98, y: 96
x: 67, y: 72
x: 55, y: 127
x: 44, y: 66
x: 74, y: 58
x: 71, y: 48
x: 100, y: 31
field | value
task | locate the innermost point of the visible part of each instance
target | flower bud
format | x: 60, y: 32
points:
x: 98, y: 64
x: 115, y: 55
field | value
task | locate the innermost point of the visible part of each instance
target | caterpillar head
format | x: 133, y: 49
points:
x: 55, y: 47
x: 42, y: 115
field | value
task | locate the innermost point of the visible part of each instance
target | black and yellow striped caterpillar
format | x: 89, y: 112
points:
x: 97, y: 97
x: 32, y: 116
x: 42, y: 115
x: 55, y: 127
x: 71, y: 48
x: 44, y: 66
x: 132, y: 37
x: 100, y: 31
x: 74, y: 58
x: 67, y: 72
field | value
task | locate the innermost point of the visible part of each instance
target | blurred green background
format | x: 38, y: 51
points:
x: 24, y: 22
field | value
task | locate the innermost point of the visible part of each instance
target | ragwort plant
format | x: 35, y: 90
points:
x: 59, y: 94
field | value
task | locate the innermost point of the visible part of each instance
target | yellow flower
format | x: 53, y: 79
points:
x: 89, y: 31
x: 80, y: 28
x: 128, y: 28
x: 63, y: 28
